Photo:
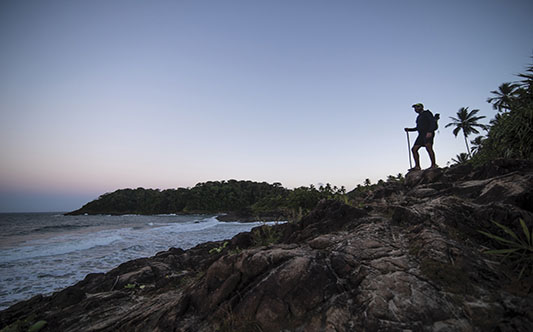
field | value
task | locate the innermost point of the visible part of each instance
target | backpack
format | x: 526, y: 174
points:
x: 434, y: 123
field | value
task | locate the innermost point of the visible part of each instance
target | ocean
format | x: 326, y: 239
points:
x: 41, y: 253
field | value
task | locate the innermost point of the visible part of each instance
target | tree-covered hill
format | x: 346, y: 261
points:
x: 241, y: 197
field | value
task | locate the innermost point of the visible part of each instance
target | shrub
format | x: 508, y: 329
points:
x: 518, y: 250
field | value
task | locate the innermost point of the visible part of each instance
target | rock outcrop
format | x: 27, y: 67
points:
x: 411, y: 260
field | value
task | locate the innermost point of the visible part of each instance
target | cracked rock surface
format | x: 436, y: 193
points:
x: 412, y: 260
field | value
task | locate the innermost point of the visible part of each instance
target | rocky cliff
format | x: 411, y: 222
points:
x: 410, y: 258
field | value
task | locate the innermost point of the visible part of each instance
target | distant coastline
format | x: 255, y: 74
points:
x: 231, y: 200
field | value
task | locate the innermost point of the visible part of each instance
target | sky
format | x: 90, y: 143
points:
x: 101, y: 95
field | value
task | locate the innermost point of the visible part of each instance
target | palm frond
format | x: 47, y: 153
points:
x: 456, y: 131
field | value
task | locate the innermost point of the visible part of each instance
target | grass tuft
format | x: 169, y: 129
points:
x: 517, y: 250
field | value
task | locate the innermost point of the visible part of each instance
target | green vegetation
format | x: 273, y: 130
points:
x: 517, y: 250
x: 244, y: 197
x: 37, y: 326
x: 510, y: 133
x: 219, y: 249
x: 266, y: 235
x: 476, y: 144
x: 134, y: 286
x: 209, y: 197
x: 29, y: 324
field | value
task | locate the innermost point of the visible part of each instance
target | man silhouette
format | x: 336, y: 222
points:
x: 426, y: 133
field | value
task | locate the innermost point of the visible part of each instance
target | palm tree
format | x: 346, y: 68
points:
x: 498, y: 118
x: 461, y: 158
x: 477, y: 143
x: 504, y: 96
x: 467, y: 122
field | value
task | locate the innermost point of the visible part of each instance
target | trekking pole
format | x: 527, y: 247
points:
x: 409, y: 150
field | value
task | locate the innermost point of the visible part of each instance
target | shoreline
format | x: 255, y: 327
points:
x: 220, y: 216
x: 129, y: 238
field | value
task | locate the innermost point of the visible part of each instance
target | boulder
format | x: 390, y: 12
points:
x: 418, y: 177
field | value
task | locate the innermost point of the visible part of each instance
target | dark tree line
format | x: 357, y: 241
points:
x: 510, y: 133
x: 246, y: 197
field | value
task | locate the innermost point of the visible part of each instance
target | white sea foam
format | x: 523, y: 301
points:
x: 57, y: 246
x: 192, y: 227
x: 47, y: 262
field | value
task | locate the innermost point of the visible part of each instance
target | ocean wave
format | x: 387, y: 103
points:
x: 255, y: 223
x: 56, y: 246
x: 46, y: 262
x: 59, y: 228
x: 196, y: 225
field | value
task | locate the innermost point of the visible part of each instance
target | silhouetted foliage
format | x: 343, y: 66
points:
x: 511, y: 131
x: 247, y: 197
x: 460, y: 158
x: 466, y: 121
x: 477, y: 144
x: 504, y: 96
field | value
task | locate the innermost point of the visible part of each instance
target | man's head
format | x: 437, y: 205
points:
x: 419, y: 107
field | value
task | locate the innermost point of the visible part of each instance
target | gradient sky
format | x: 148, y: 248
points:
x: 101, y: 95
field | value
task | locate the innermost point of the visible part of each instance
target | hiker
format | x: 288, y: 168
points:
x: 426, y: 124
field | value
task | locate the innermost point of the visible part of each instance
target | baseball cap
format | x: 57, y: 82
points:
x: 418, y: 104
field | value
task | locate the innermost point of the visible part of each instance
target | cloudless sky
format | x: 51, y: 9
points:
x: 101, y: 95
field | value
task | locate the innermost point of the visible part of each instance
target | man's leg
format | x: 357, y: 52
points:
x: 416, y: 156
x: 429, y: 148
